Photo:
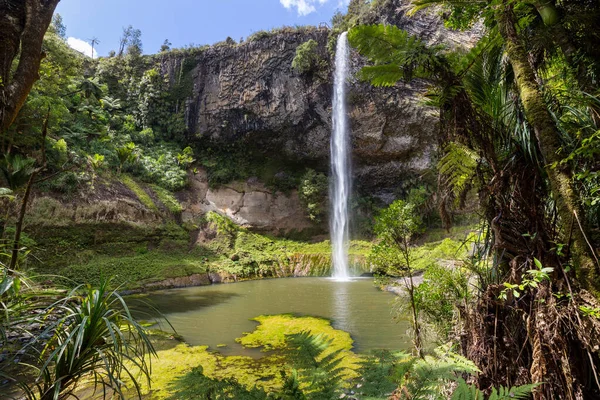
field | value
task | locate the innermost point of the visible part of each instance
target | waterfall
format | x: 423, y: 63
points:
x: 340, y: 164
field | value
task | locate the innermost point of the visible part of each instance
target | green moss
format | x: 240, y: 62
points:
x: 139, y: 192
x: 271, y: 331
x: 135, y: 270
x: 78, y: 244
x: 167, y: 198
x: 175, y: 360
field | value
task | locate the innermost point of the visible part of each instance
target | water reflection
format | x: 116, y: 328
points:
x: 341, y: 304
x: 218, y: 314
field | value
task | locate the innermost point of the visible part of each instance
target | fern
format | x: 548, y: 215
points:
x: 320, y: 372
x: 470, y: 392
x: 396, y: 54
x: 458, y: 168
x: 518, y: 392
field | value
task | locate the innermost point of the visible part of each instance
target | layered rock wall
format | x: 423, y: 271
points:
x: 249, y: 93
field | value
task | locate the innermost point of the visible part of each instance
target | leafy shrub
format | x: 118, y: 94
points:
x: 258, y: 36
x: 442, y: 290
x: 307, y: 57
x: 96, y: 338
x: 67, y: 182
x: 158, y: 164
x: 313, y: 194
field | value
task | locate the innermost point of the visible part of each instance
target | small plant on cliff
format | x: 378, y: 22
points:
x: 96, y: 162
x: 125, y: 154
x: 307, y: 57
x: 313, y: 194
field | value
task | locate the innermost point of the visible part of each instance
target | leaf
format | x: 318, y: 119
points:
x: 538, y: 263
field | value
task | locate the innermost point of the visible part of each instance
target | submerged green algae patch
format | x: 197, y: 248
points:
x: 271, y: 332
x: 176, y: 360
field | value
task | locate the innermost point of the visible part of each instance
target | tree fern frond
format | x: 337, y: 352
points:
x: 458, y: 167
x: 382, y: 75
x: 466, y: 392
x: 514, y: 393
x: 398, y: 54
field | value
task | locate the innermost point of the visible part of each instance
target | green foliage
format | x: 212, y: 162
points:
x: 167, y: 199
x: 529, y: 280
x: 307, y: 57
x: 196, y: 385
x: 125, y: 154
x: 16, y: 170
x: 431, y: 377
x: 159, y: 164
x: 320, y: 371
x: 96, y: 161
x: 395, y: 228
x: 67, y: 182
x: 396, y: 54
x: 6, y: 193
x: 444, y: 288
x: 222, y: 224
x: 590, y: 311
x: 135, y: 267
x: 470, y: 392
x: 141, y: 194
x: 458, y: 167
x: 186, y: 157
x: 377, y: 374
x: 313, y: 194
x: 95, y: 338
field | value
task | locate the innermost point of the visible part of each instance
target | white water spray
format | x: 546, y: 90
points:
x: 340, y: 164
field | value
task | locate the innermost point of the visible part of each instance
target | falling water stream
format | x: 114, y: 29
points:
x: 340, y: 164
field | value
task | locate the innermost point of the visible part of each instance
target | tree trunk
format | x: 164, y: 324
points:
x: 547, y: 136
x: 23, y: 24
x: 19, y: 227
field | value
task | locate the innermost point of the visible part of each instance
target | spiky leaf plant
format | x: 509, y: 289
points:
x: 96, y: 337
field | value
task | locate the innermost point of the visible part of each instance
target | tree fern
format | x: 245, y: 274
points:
x: 395, y: 53
x: 458, y: 167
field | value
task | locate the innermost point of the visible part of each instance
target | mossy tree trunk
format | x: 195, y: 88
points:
x: 548, y: 140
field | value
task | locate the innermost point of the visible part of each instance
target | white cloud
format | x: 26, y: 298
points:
x: 81, y: 46
x: 305, y: 7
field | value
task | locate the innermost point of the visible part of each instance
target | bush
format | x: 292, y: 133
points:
x: 307, y: 57
x: 313, y: 194
x: 66, y: 182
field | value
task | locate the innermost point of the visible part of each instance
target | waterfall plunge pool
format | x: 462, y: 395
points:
x: 218, y: 314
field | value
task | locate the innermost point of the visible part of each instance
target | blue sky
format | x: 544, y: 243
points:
x: 184, y: 22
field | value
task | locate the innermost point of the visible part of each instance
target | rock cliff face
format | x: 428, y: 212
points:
x: 248, y: 204
x: 249, y: 93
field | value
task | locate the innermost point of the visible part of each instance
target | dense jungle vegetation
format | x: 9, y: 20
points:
x: 506, y: 307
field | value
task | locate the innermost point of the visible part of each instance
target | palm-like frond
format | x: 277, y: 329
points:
x: 16, y: 169
x: 395, y: 53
